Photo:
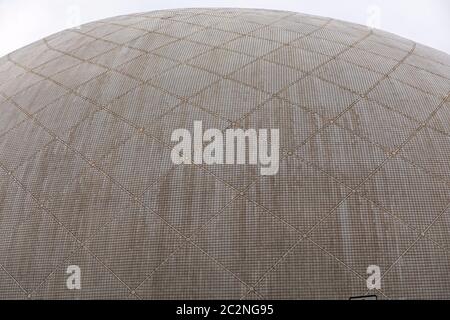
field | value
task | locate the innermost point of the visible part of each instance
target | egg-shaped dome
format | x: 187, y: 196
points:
x: 87, y: 181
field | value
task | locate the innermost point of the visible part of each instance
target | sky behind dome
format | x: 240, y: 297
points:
x: 424, y: 21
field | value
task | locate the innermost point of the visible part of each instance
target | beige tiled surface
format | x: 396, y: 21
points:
x: 193, y: 197
x: 86, y: 176
x: 298, y: 194
x: 35, y: 248
x: 378, y: 124
x: 307, y: 272
x: 343, y: 155
x: 376, y: 236
x: 421, y: 273
x: 134, y: 244
x: 259, y: 245
x: 217, y: 99
x: 425, y: 198
x: 97, y: 280
x: 183, y: 117
x: 11, y: 116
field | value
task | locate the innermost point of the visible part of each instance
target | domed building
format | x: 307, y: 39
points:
x: 87, y: 179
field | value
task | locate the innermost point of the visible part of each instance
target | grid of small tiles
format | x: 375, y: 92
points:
x: 86, y: 177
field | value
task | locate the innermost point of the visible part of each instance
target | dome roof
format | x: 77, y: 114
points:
x: 86, y: 176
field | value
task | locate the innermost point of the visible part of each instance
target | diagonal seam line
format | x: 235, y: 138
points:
x: 24, y: 291
x: 188, y: 240
x: 123, y: 188
x: 368, y: 177
x: 324, y: 25
x: 306, y: 75
x: 422, y: 235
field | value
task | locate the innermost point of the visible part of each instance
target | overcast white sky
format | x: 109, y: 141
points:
x: 424, y: 21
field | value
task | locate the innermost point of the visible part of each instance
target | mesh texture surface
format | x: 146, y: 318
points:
x: 86, y: 177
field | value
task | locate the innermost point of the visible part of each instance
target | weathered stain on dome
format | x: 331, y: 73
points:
x: 86, y: 177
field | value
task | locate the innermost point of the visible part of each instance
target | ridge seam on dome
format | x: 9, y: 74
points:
x: 345, y: 198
